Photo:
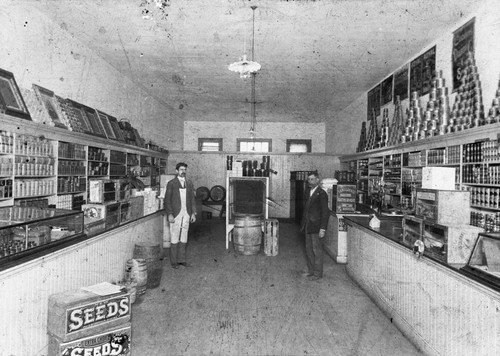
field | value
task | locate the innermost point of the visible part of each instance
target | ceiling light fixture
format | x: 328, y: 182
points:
x: 244, y: 66
x: 249, y: 69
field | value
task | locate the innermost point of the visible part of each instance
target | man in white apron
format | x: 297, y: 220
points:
x: 180, y: 206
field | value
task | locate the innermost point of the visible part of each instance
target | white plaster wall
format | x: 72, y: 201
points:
x: 39, y: 51
x: 345, y: 128
x: 279, y: 132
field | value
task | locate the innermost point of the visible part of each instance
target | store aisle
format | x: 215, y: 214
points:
x: 229, y: 304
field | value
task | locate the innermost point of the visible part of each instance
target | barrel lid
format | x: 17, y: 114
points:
x: 202, y: 193
x: 218, y: 193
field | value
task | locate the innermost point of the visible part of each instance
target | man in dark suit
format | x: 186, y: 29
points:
x: 180, y: 206
x: 314, y: 224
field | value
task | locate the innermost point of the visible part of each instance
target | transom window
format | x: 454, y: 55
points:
x: 255, y: 145
x: 298, y: 146
x: 209, y: 144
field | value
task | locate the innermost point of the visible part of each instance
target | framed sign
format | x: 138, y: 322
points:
x: 428, y: 69
x: 386, y: 90
x: 106, y: 124
x: 463, y: 43
x: 94, y: 120
x: 116, y: 128
x: 416, y: 75
x: 78, y: 117
x: 11, y: 100
x: 401, y: 83
x: 48, y: 100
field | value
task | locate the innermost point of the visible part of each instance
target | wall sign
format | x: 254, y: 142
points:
x: 386, y: 90
x: 428, y: 69
x: 373, y: 105
x: 416, y: 75
x: 463, y: 42
x: 401, y: 83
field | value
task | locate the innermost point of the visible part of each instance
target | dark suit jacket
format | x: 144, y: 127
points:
x: 173, y: 197
x: 316, y: 212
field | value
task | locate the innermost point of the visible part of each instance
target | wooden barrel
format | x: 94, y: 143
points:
x: 202, y: 193
x: 152, y: 253
x: 136, y: 271
x: 218, y: 193
x: 247, y: 233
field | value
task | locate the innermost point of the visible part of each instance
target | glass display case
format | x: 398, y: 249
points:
x: 26, y: 230
x: 484, y: 260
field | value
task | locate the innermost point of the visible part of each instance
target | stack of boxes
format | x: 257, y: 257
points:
x: 151, y: 201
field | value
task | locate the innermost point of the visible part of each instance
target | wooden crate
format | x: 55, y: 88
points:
x: 461, y: 241
x: 445, y: 207
x: 271, y: 237
x: 116, y: 341
x: 77, y: 314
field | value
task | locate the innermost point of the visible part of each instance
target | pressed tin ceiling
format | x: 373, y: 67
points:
x: 316, y: 56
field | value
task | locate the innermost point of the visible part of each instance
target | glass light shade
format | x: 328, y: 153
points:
x: 244, y: 67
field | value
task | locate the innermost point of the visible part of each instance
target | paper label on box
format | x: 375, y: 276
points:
x: 116, y: 342
x: 92, y: 314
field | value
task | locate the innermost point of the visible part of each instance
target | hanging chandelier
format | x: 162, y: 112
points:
x: 245, y: 67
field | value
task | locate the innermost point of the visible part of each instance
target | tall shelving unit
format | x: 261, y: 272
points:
x: 6, y: 168
x: 71, y: 175
x: 474, y: 153
x: 53, y: 165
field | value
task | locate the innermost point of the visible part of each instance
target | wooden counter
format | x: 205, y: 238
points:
x: 442, y: 311
x: 26, y: 287
x: 335, y: 243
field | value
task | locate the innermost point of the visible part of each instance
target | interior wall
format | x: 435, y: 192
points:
x: 344, y: 130
x: 38, y: 51
x: 279, y: 132
x: 207, y: 169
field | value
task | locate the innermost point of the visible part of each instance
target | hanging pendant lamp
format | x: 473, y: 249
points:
x: 244, y: 66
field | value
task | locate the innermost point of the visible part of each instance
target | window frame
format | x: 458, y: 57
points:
x: 202, y: 140
x: 307, y: 142
x: 267, y: 140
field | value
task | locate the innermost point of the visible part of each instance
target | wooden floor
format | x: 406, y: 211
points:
x: 229, y: 304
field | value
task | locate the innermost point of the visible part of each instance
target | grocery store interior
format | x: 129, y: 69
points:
x: 387, y: 111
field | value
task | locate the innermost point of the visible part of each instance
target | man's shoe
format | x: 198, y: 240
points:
x: 306, y: 274
x: 174, y: 266
x: 184, y: 264
x: 314, y: 278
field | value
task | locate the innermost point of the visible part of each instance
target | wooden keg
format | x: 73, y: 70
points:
x: 247, y: 233
x: 152, y: 253
x: 136, y: 271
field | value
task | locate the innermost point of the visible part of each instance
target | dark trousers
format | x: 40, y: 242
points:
x: 314, y: 254
x: 178, y: 253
